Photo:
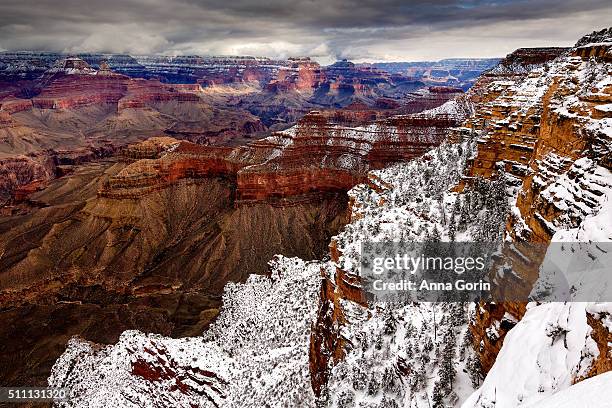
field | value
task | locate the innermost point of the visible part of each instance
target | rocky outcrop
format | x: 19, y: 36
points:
x: 25, y: 173
x: 67, y: 92
x: 157, y: 365
x: 509, y: 110
x: 327, y: 344
x: 489, y: 326
x: 73, y: 83
x: 150, y: 148
x: 342, y: 294
x: 601, y: 333
x: 302, y: 75
x: 524, y: 60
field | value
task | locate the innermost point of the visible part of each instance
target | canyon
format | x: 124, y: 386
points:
x: 57, y: 111
x: 164, y: 234
x: 141, y: 218
x: 529, y: 163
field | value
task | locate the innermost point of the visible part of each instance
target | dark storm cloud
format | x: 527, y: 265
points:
x: 367, y: 29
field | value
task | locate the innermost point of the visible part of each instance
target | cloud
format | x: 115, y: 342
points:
x: 122, y: 38
x: 326, y: 29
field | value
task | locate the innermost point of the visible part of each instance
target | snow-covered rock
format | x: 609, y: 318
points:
x: 254, y: 355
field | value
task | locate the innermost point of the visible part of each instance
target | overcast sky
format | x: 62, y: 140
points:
x: 370, y: 30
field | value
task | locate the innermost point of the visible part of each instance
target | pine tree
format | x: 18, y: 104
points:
x: 378, y: 343
x: 435, y: 235
x: 474, y: 370
x: 346, y: 399
x: 466, y: 344
x: 452, y: 228
x: 437, y: 395
x: 410, y: 330
x: 388, y: 403
x: 414, y: 381
x: 359, y: 380
x: 428, y: 346
x: 442, y: 208
x: 373, y: 385
x: 390, y: 322
x: 409, y: 350
x: 464, y: 212
x: 389, y: 381
x: 448, y: 371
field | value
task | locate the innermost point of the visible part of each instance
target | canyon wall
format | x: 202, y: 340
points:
x: 317, y: 155
x: 458, y: 72
x: 548, y: 133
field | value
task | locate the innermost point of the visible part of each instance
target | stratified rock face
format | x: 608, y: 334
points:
x: 548, y: 131
x: 210, y: 70
x: 180, y: 69
x: 72, y: 83
x: 320, y: 155
x: 67, y: 92
x: 341, y: 79
x: 22, y: 171
x: 513, y: 68
x: 509, y: 108
x: 16, y: 66
x: 315, y: 156
x: 301, y: 72
x: 301, y: 75
x: 524, y: 60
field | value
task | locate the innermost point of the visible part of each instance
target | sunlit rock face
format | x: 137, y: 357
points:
x: 77, y: 112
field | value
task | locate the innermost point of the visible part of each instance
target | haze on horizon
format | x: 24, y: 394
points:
x: 326, y: 30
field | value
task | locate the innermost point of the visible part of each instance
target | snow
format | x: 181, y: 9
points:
x: 364, y: 378
x: 536, y: 360
x: 594, y: 392
x: 604, y: 108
